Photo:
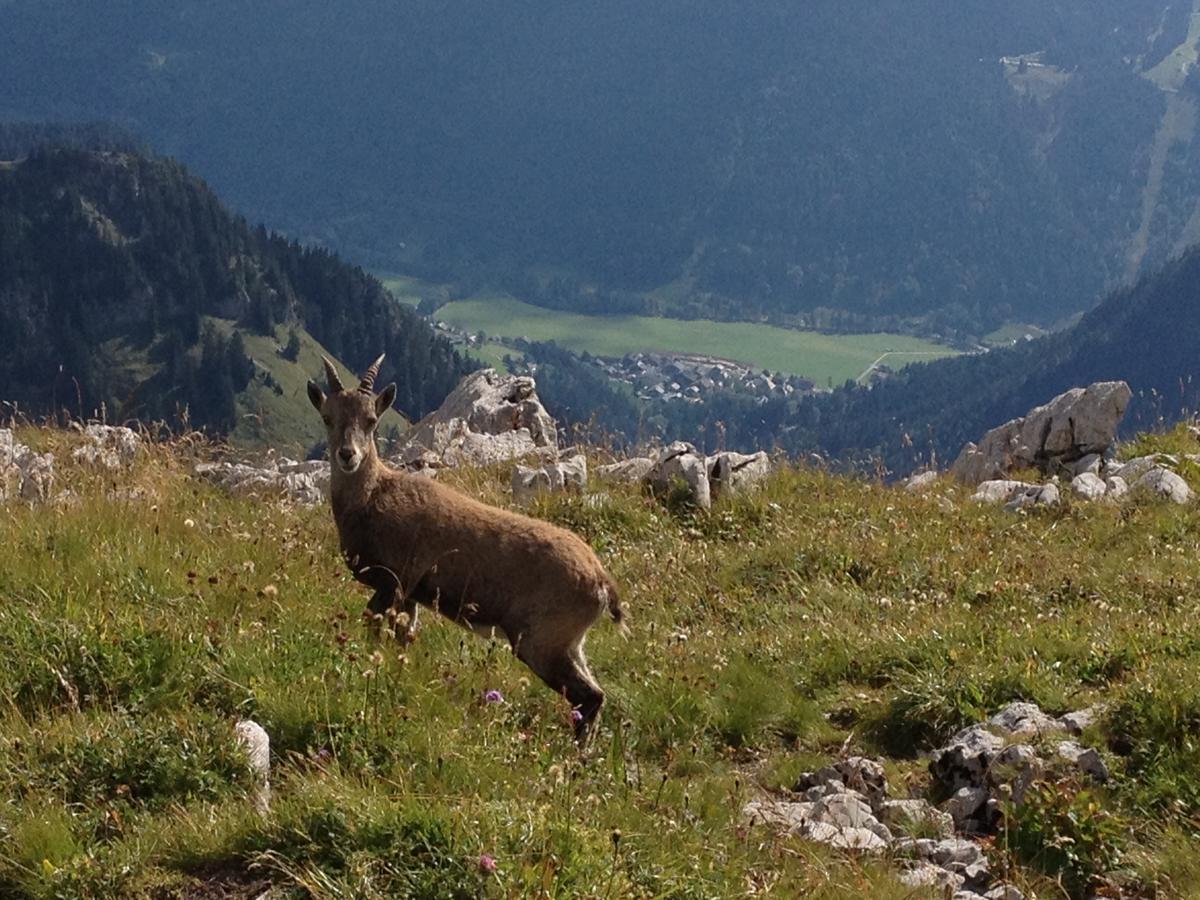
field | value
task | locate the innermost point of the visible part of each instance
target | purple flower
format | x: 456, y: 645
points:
x: 576, y: 716
x: 487, y: 864
x: 493, y: 696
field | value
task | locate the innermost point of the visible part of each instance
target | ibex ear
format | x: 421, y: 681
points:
x: 385, y: 398
x: 315, y: 395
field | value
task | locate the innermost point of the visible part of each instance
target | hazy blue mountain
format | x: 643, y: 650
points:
x: 821, y: 163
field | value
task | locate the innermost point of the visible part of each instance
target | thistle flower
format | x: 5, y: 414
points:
x: 493, y: 696
x: 487, y: 864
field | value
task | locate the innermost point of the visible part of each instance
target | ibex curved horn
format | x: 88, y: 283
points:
x: 368, y: 379
x: 335, y: 382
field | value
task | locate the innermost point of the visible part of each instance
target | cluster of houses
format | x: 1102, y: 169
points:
x: 680, y: 377
x: 671, y: 377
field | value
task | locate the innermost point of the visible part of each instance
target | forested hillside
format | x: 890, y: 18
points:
x: 905, y: 162
x: 1147, y: 335
x: 125, y: 284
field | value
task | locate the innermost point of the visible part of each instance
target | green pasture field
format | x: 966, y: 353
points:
x: 819, y: 357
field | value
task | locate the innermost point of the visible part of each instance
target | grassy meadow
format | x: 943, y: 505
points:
x: 820, y: 357
x: 146, y: 612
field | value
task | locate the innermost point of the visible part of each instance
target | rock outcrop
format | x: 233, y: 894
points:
x: 305, y: 483
x: 680, y: 464
x: 847, y: 805
x: 1073, y: 426
x: 24, y: 475
x: 488, y: 418
x: 108, y: 447
x: 704, y: 478
x: 983, y: 762
x: 565, y: 476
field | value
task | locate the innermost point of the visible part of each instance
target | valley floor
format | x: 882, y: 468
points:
x: 821, y: 358
x: 144, y: 613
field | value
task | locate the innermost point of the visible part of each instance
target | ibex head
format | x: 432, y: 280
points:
x: 351, y: 416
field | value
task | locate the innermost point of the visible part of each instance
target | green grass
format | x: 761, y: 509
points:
x: 404, y: 288
x: 1011, y: 334
x: 492, y: 353
x: 280, y: 416
x: 818, y: 615
x: 816, y: 356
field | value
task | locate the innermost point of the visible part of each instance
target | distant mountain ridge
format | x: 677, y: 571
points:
x: 125, y: 284
x: 828, y: 164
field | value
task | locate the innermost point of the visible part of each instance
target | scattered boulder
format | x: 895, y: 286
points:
x: 564, y: 476
x: 1045, y: 495
x: 921, y: 482
x: 924, y: 874
x: 305, y: 483
x: 1089, y: 486
x: 109, y: 447
x: 1072, y: 426
x: 847, y: 821
x: 488, y: 418
x: 864, y: 776
x: 1023, y: 720
x: 1133, y: 469
x: 965, y: 761
x: 1086, y: 760
x: 969, y: 809
x: 627, y: 471
x: 1092, y: 464
x: 1164, y: 483
x: 1017, y: 494
x: 842, y: 820
x: 680, y: 463
x: 1117, y: 487
x: 846, y: 805
x: 979, y: 766
x: 1078, y: 722
x: 1000, y: 491
x: 257, y: 745
x: 24, y: 475
x: 733, y: 473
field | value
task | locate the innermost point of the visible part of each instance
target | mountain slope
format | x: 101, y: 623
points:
x: 1148, y: 335
x: 886, y: 161
x: 125, y: 283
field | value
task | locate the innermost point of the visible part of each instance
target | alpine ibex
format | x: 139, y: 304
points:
x: 415, y: 541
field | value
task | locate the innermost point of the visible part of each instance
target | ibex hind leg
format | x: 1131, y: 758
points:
x: 568, y: 676
x: 589, y: 696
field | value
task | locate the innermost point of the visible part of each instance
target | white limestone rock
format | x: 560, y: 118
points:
x: 1166, y: 484
x: 1086, y: 760
x: 564, y: 476
x: 108, y: 447
x: 488, y: 418
x: 734, y: 473
x: 921, y: 482
x: 627, y: 471
x: 1075, y: 424
x: 1023, y: 720
x: 1089, y: 486
x: 681, y: 463
x: 257, y: 745
x: 306, y: 488
x: 1000, y: 491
